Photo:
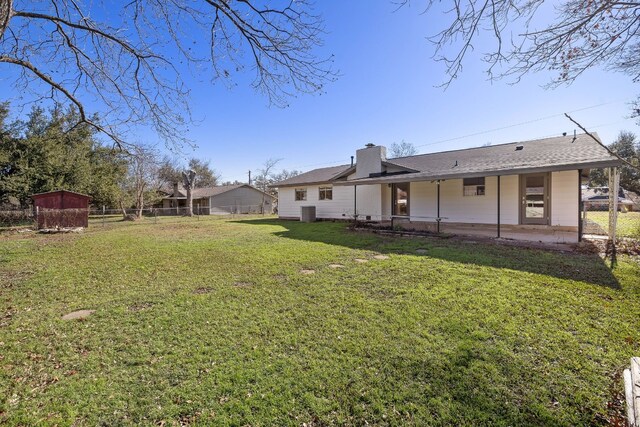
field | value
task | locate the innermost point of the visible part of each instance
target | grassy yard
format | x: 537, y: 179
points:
x: 628, y: 223
x: 249, y: 322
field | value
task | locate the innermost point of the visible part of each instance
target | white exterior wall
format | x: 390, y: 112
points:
x: 564, y: 198
x: 340, y: 207
x: 456, y: 207
x: 385, y: 193
x: 423, y: 198
x: 375, y: 200
x: 509, y: 199
x: 453, y: 204
x: 369, y: 201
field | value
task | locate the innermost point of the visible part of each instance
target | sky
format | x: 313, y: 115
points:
x: 387, y: 91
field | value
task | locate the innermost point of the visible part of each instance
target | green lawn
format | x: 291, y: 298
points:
x: 213, y: 322
x: 628, y: 223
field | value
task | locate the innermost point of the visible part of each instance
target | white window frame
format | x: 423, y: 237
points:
x: 295, y: 194
x: 474, y: 188
x: 322, y: 192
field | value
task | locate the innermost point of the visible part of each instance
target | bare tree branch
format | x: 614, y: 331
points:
x: 130, y: 64
x: 613, y: 153
x: 583, y: 34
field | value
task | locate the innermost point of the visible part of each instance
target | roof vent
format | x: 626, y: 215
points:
x: 519, y: 147
x: 369, y: 145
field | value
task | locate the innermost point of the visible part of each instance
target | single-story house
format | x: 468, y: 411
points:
x: 597, y: 199
x: 524, y: 190
x: 218, y: 200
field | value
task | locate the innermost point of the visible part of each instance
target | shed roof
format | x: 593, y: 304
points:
x: 50, y: 193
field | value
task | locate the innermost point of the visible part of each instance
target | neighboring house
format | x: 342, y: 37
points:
x: 514, y: 188
x: 597, y: 199
x: 219, y: 200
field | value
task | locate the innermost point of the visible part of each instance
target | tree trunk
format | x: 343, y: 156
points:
x: 6, y: 9
x: 124, y: 211
x: 189, y: 202
x: 189, y: 179
x: 140, y: 202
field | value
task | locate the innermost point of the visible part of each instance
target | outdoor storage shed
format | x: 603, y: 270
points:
x: 61, y: 208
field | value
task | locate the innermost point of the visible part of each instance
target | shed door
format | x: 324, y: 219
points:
x: 534, y: 199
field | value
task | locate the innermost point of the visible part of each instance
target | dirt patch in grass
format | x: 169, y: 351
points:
x: 307, y: 271
x: 140, y: 306
x: 200, y: 291
x: 10, y: 278
x: 243, y: 284
x: 616, y: 410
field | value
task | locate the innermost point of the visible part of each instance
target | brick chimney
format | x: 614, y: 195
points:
x: 369, y: 160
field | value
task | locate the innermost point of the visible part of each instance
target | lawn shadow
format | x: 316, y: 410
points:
x: 589, y: 268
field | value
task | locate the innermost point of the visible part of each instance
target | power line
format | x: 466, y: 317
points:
x: 514, y: 125
x: 337, y: 162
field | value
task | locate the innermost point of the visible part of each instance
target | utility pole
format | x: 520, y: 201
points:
x: 249, y: 177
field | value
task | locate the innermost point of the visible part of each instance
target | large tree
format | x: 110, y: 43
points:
x: 567, y: 37
x: 402, y: 149
x: 170, y: 172
x: 139, y: 186
x: 47, y: 151
x: 126, y: 60
x: 627, y: 147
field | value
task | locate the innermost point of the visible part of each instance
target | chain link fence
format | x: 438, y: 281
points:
x: 596, y: 213
x: 72, y: 218
x: 16, y: 218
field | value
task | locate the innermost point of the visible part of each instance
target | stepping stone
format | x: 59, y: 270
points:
x: 422, y: 251
x: 381, y: 257
x: 80, y: 314
x: 336, y: 266
x: 304, y: 271
x: 361, y: 261
x: 200, y: 291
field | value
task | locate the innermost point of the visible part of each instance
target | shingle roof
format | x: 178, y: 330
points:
x: 602, y: 193
x: 546, y: 152
x: 199, y: 193
x: 558, y: 153
x: 314, y: 176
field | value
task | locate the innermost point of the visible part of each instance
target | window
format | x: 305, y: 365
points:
x: 301, y: 194
x: 325, y: 193
x: 473, y: 186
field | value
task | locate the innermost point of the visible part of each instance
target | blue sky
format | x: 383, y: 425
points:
x: 387, y: 92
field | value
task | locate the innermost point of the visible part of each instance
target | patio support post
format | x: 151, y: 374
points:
x: 614, y: 179
x: 498, y: 206
x: 438, y: 206
x: 579, y: 205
